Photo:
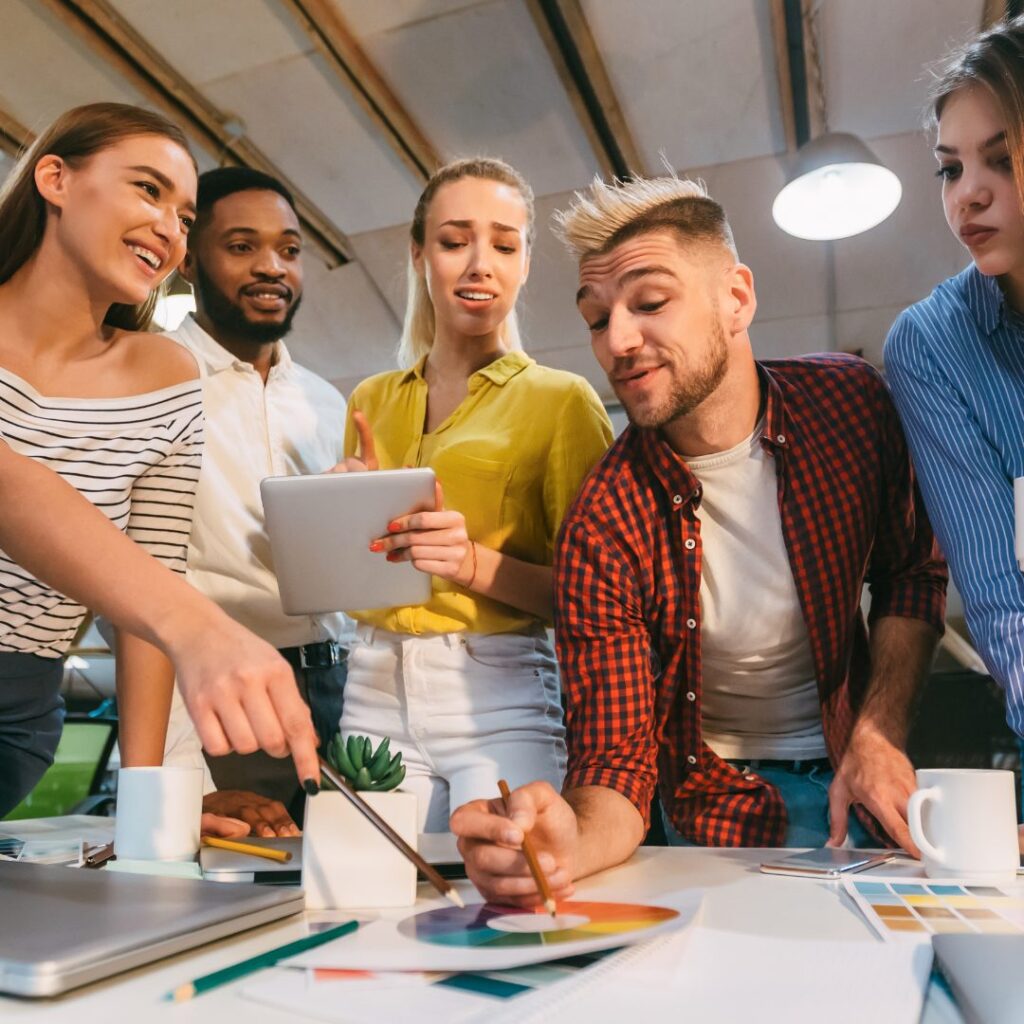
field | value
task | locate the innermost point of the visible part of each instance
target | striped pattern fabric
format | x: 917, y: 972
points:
x: 137, y: 459
x: 627, y: 593
x: 955, y: 364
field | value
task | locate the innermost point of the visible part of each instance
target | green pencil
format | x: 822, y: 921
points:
x: 257, y: 963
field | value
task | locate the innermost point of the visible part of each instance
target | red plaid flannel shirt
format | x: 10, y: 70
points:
x: 627, y: 583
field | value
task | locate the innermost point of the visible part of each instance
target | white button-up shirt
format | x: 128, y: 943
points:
x: 292, y: 425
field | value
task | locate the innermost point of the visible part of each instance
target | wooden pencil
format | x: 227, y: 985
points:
x: 531, y: 859
x: 256, y: 963
x: 282, y: 856
x: 445, y: 888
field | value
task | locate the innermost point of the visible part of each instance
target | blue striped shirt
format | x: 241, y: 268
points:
x: 955, y: 363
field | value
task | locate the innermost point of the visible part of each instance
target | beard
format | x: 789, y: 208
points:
x: 230, y: 318
x: 687, y: 388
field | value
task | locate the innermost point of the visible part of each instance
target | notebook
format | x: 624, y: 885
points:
x: 984, y: 972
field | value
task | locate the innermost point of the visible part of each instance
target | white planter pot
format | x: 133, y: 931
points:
x: 347, y: 863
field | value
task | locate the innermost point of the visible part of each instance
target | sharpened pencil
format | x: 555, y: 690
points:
x: 256, y: 963
x: 446, y: 889
x: 282, y: 856
x: 531, y: 859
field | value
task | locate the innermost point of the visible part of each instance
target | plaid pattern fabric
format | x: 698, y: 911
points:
x: 627, y: 606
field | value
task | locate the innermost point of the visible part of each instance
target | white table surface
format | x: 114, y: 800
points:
x: 738, y: 898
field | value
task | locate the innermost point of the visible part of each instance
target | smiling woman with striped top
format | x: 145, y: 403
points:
x: 92, y: 220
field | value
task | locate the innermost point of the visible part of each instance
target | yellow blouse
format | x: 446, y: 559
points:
x: 510, y: 458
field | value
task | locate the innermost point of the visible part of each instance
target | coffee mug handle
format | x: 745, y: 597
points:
x: 914, y: 805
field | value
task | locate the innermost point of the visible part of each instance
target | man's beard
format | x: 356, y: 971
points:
x: 686, y: 393
x: 230, y: 318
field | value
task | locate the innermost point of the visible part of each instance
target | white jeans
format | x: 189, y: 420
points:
x: 464, y: 709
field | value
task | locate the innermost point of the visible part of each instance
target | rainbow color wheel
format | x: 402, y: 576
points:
x: 487, y: 924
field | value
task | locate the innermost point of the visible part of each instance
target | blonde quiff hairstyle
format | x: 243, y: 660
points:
x: 419, y: 326
x: 607, y: 214
x: 75, y: 136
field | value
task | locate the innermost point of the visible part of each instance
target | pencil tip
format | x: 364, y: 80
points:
x: 550, y: 907
x: 455, y: 898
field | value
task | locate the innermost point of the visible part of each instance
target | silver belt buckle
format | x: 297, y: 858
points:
x: 335, y: 658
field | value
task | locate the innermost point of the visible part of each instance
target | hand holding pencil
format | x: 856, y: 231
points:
x: 491, y: 834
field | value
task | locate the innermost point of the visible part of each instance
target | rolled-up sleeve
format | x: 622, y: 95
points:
x: 605, y: 659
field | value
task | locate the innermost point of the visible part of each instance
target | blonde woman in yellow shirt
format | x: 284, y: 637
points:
x: 466, y: 685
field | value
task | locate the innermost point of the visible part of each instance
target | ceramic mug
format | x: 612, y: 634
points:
x: 158, y: 813
x: 964, y: 822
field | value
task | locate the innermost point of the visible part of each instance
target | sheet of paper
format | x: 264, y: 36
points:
x: 736, y: 978
x: 914, y: 909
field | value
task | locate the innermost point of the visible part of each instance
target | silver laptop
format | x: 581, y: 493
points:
x: 985, y: 974
x: 320, y: 528
x: 64, y: 927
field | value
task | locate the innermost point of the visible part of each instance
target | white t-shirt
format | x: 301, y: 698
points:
x: 760, y: 698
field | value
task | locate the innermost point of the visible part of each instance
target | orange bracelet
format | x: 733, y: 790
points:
x: 472, y: 577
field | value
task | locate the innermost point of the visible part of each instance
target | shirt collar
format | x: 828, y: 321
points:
x: 500, y: 372
x: 672, y: 471
x: 215, y: 357
x: 984, y: 298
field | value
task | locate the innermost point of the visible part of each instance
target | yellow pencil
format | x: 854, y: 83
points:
x: 255, y: 851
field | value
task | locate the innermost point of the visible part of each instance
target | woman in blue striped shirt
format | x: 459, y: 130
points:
x: 955, y: 361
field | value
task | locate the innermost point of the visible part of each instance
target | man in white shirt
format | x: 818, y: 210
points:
x: 265, y: 416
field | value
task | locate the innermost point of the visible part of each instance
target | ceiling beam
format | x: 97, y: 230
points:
x: 324, y: 24
x: 114, y: 40
x: 798, y: 64
x: 563, y: 27
x: 14, y: 136
x: 783, y: 73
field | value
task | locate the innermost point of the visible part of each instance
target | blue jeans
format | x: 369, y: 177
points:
x: 805, y: 794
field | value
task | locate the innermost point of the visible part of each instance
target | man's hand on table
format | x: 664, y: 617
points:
x: 490, y: 842
x: 878, y: 774
x: 232, y: 813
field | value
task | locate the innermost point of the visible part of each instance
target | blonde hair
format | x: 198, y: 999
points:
x: 994, y: 59
x: 605, y: 215
x: 419, y: 325
x: 74, y: 136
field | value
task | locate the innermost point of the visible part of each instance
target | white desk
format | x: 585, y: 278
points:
x: 738, y: 898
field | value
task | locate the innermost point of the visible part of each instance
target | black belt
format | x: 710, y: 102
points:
x: 325, y: 654
x: 801, y: 766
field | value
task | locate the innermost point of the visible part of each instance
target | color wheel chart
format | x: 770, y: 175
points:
x: 488, y: 925
x: 918, y: 908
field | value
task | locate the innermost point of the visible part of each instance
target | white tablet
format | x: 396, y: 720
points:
x: 320, y: 529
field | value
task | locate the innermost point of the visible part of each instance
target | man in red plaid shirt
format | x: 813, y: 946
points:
x: 709, y: 575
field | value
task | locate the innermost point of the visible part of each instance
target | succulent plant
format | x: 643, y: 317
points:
x: 364, y: 767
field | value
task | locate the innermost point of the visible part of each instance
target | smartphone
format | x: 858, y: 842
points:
x: 827, y: 862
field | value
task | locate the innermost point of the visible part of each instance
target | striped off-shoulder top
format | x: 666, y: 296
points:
x: 136, y: 458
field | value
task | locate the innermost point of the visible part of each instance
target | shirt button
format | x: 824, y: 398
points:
x: 677, y: 499
x: 691, y: 696
x: 781, y: 438
x: 690, y: 544
x: 690, y: 759
x: 691, y: 623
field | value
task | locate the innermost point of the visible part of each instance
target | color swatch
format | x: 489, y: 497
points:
x: 494, y: 926
x: 917, y: 908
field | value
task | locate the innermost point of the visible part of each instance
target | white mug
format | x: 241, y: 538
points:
x: 158, y: 813
x: 964, y: 822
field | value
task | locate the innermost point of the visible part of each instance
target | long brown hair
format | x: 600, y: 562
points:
x: 74, y: 137
x: 994, y: 59
x: 419, y: 326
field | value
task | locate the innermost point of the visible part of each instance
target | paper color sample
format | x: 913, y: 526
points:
x: 389, y: 945
x: 917, y: 908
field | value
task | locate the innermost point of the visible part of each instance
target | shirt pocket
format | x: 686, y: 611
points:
x: 478, y: 488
